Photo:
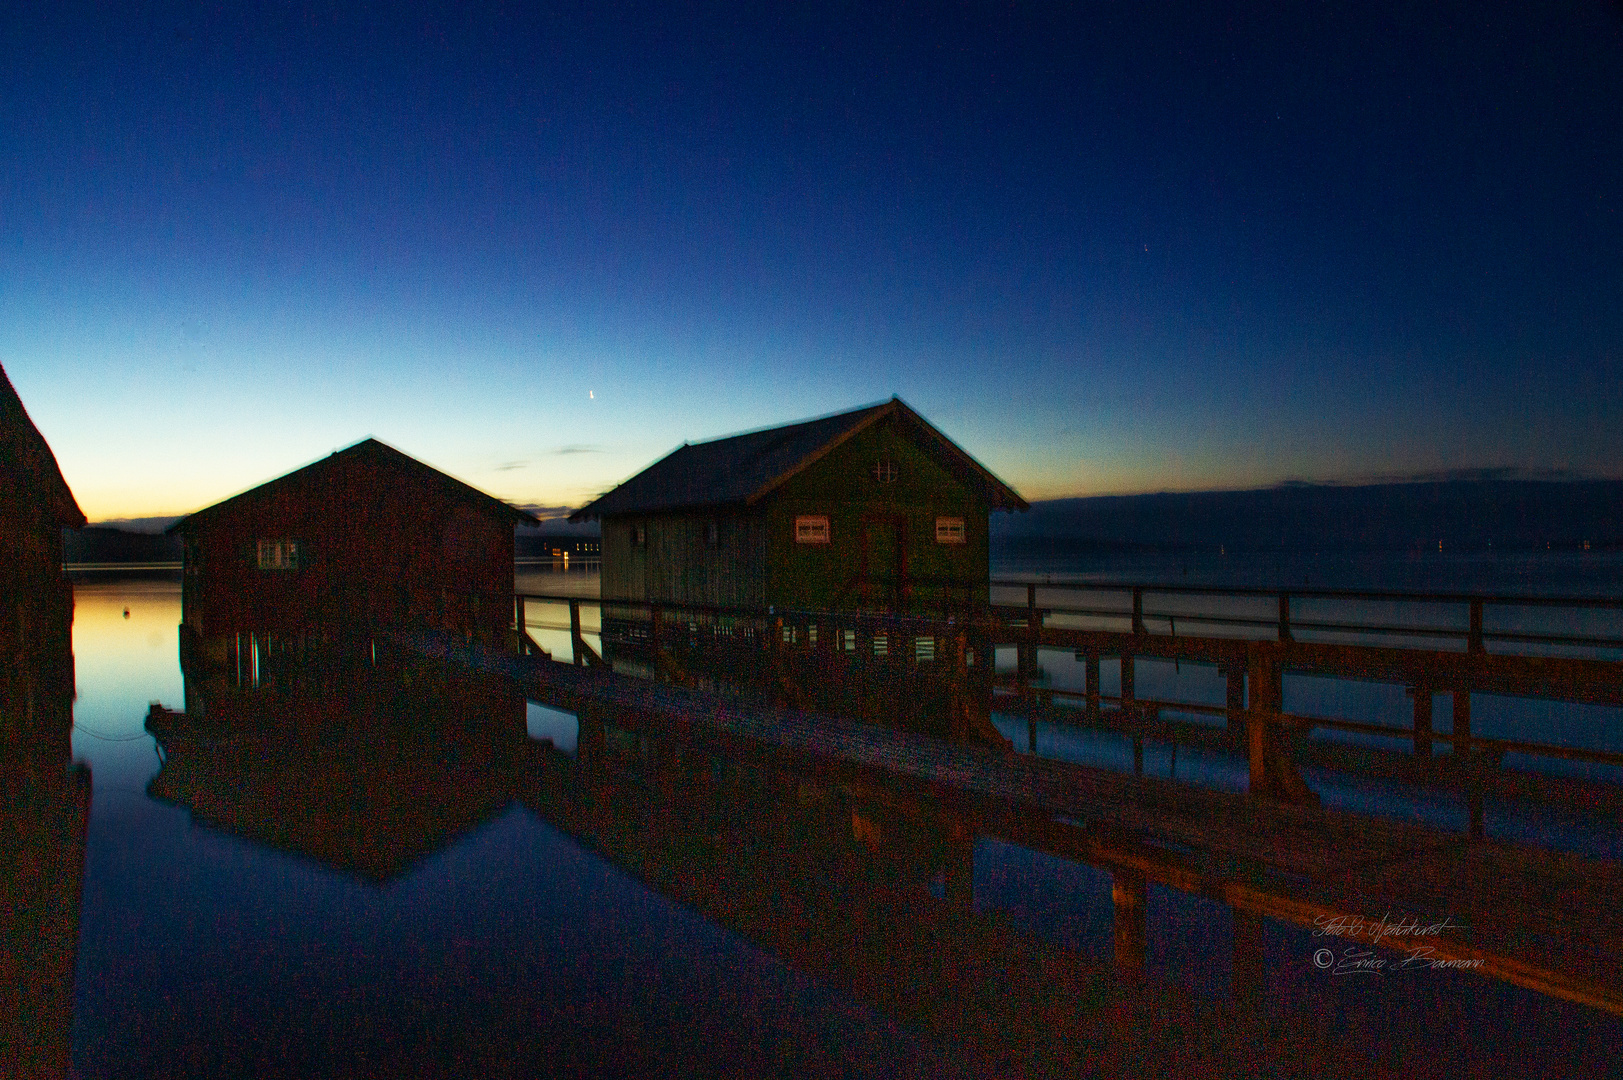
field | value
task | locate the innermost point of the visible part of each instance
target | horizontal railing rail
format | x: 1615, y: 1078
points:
x: 1476, y: 634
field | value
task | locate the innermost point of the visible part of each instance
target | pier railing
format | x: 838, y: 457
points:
x: 1428, y: 642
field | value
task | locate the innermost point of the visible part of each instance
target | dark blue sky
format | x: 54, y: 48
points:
x: 1117, y: 248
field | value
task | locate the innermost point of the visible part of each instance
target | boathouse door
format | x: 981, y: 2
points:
x: 884, y: 560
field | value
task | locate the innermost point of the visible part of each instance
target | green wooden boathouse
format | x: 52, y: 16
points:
x: 868, y: 510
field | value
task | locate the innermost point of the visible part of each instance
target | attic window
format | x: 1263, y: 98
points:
x: 883, y: 470
x: 949, y: 530
x: 278, y: 555
x: 811, y: 530
x: 639, y: 536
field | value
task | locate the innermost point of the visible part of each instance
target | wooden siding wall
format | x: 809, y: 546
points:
x: 678, y: 565
x: 379, y: 547
x: 841, y: 486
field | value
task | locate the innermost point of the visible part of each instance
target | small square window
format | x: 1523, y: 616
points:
x: 639, y: 536
x: 278, y: 554
x: 811, y: 530
x: 949, y: 530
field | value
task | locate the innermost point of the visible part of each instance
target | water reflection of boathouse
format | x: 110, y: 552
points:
x: 870, y: 518
x: 361, y: 543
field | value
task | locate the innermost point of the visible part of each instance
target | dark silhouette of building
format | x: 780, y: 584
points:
x: 362, y: 542
x: 872, y: 509
x: 44, y: 797
x: 36, y: 598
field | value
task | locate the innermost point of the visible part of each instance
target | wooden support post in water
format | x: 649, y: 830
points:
x: 1265, y: 680
x: 1091, y: 660
x: 1128, y: 695
x: 1462, y: 722
x: 1422, y: 721
x: 1138, y: 755
x: 1246, y: 976
x: 1234, y: 673
x: 575, y: 639
x: 1127, y: 890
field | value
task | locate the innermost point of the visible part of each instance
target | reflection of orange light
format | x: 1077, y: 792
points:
x: 122, y: 623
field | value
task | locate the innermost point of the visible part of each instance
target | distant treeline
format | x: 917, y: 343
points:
x: 105, y: 544
x: 1462, y: 515
x: 108, y: 544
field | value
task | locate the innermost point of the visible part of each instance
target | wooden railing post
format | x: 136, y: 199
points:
x: 1284, y: 617
x: 1138, y: 610
x: 1127, y: 690
x: 1474, y: 642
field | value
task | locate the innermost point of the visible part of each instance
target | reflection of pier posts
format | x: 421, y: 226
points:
x: 1128, y: 891
x: 1246, y: 975
x: 959, y: 872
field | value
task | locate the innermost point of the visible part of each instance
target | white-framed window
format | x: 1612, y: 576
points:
x: 950, y: 530
x: 811, y: 529
x: 278, y: 555
x: 883, y: 470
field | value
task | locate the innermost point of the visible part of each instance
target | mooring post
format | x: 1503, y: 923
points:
x: 1127, y: 890
x: 1422, y: 721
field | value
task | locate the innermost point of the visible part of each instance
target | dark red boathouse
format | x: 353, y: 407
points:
x: 363, y: 541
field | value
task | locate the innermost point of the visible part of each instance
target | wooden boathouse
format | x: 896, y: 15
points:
x: 363, y: 541
x: 36, y: 599
x: 872, y: 509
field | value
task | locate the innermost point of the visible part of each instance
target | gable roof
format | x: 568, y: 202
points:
x: 744, y: 469
x: 372, y: 451
x: 27, y: 464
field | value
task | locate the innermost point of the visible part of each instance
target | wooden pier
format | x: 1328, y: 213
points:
x: 1546, y: 921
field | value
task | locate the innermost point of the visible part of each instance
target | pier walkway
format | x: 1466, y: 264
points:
x: 1542, y: 920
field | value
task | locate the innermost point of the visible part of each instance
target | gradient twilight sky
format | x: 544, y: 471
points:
x: 1118, y: 248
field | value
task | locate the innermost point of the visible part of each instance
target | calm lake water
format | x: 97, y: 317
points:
x: 585, y: 927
